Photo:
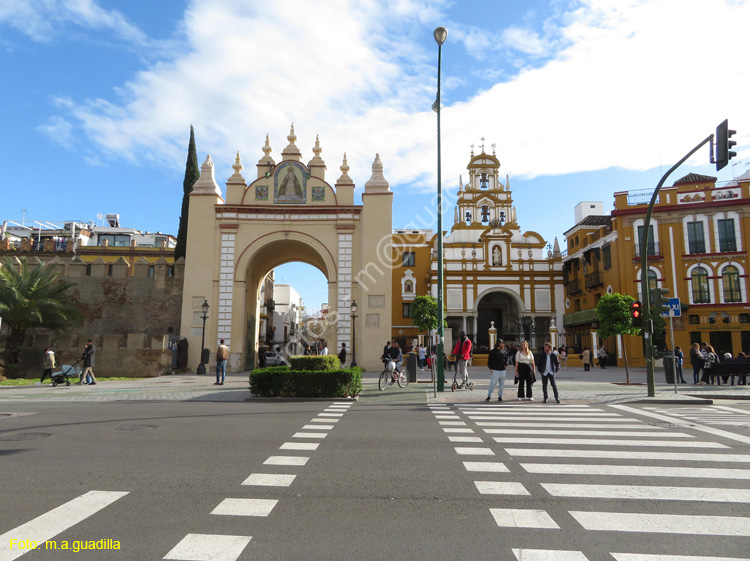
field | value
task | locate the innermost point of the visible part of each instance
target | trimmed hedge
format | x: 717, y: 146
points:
x: 314, y: 363
x: 281, y: 381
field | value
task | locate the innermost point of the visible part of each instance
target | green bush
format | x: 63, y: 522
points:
x: 281, y: 381
x: 314, y: 363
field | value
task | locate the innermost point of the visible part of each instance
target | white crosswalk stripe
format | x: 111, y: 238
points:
x: 593, y: 438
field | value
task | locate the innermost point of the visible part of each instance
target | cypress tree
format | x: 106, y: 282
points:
x: 192, y: 173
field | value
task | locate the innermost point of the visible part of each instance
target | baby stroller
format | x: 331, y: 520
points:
x: 64, y: 375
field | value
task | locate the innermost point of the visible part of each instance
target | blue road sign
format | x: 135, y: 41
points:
x: 674, y: 309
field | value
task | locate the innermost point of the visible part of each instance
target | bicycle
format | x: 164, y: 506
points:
x: 389, y: 375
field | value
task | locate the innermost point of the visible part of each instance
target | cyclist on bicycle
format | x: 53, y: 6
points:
x: 396, y: 355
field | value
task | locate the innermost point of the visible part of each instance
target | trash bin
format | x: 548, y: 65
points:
x: 205, y: 356
x: 412, y: 365
x: 668, y: 361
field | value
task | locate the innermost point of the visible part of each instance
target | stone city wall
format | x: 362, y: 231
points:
x: 130, y: 313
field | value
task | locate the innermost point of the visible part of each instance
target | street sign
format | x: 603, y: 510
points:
x: 674, y: 309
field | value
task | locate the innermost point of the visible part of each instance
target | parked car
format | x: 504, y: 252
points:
x: 274, y: 359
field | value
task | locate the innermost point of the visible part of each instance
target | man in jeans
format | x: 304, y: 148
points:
x: 497, y: 362
x: 222, y: 354
x: 547, y: 365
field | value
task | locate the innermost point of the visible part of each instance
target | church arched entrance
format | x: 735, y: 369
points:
x: 503, y: 310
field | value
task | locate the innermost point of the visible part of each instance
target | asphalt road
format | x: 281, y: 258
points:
x: 387, y: 477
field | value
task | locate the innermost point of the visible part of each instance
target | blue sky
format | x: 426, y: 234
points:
x: 582, y: 98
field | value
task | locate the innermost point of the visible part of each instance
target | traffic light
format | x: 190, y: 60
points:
x: 635, y: 313
x: 661, y: 301
x: 723, y: 144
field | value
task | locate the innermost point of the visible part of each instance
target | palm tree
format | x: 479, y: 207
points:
x: 32, y: 297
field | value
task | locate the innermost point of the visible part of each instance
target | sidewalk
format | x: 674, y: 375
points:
x: 595, y: 386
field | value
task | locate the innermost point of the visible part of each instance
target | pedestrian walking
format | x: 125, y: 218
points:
x: 342, y: 354
x: 89, y: 355
x: 678, y: 360
x: 602, y: 357
x: 709, y: 361
x: 497, y: 362
x: 563, y: 357
x: 547, y: 364
x: 48, y: 363
x: 324, y: 350
x: 524, y: 372
x: 462, y: 350
x: 422, y: 355
x: 262, y: 357
x: 222, y: 355
x: 586, y: 358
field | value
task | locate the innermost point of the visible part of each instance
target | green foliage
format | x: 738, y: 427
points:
x: 280, y: 381
x: 315, y: 362
x: 30, y: 298
x: 192, y: 173
x: 424, y: 313
x: 613, y: 311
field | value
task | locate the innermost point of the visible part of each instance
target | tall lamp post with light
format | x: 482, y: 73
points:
x: 204, y: 308
x: 440, y: 34
x: 354, y: 332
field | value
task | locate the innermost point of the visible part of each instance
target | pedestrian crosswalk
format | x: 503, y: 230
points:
x: 612, y: 474
x: 709, y: 415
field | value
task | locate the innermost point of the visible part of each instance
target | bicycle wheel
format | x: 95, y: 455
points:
x: 403, y: 379
x: 383, y: 380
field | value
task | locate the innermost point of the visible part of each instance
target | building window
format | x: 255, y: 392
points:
x: 606, y: 257
x: 408, y: 259
x: 170, y: 271
x: 407, y: 309
x: 88, y: 270
x: 730, y: 277
x: 727, y: 242
x: 696, y: 243
x: 651, y: 249
x: 744, y: 318
x: 114, y: 240
x: 110, y: 270
x: 693, y: 319
x: 151, y: 270
x: 699, y: 280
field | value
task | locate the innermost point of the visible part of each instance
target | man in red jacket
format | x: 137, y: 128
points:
x: 462, y: 352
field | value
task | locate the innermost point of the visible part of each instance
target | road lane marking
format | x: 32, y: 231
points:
x: 650, y: 557
x: 548, y: 419
x: 286, y: 461
x: 464, y: 439
x: 465, y: 451
x: 452, y: 423
x: 299, y: 446
x: 324, y: 420
x: 457, y: 430
x: 318, y: 427
x: 208, y: 547
x: 523, y: 518
x: 693, y: 426
x: 55, y: 521
x: 638, y: 471
x: 270, y: 479
x: 566, y: 425
x: 543, y: 413
x: 663, y: 523
x: 648, y: 492
x: 548, y: 555
x: 245, y: 507
x: 309, y: 435
x: 629, y: 455
x: 495, y: 467
x: 330, y: 414
x: 592, y: 432
x: 501, y: 488
x: 609, y: 442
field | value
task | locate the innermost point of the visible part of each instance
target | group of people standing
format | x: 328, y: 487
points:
x: 546, y: 363
x: 703, y: 357
x: 587, y: 357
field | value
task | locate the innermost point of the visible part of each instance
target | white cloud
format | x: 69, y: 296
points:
x: 637, y: 84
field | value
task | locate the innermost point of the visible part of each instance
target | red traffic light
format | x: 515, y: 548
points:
x: 636, y: 313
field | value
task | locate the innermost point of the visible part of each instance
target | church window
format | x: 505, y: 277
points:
x: 407, y: 309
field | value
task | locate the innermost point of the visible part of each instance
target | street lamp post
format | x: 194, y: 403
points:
x: 440, y: 34
x: 204, y: 308
x: 354, y: 332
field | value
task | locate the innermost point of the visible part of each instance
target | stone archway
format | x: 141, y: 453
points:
x: 288, y: 213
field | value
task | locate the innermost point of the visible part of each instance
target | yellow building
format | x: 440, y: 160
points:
x: 495, y: 274
x: 700, y: 232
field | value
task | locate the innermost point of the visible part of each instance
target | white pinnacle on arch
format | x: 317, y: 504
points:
x: 377, y: 182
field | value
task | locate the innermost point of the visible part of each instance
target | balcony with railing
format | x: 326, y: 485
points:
x: 572, y: 287
x: 653, y: 250
x: 594, y: 279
